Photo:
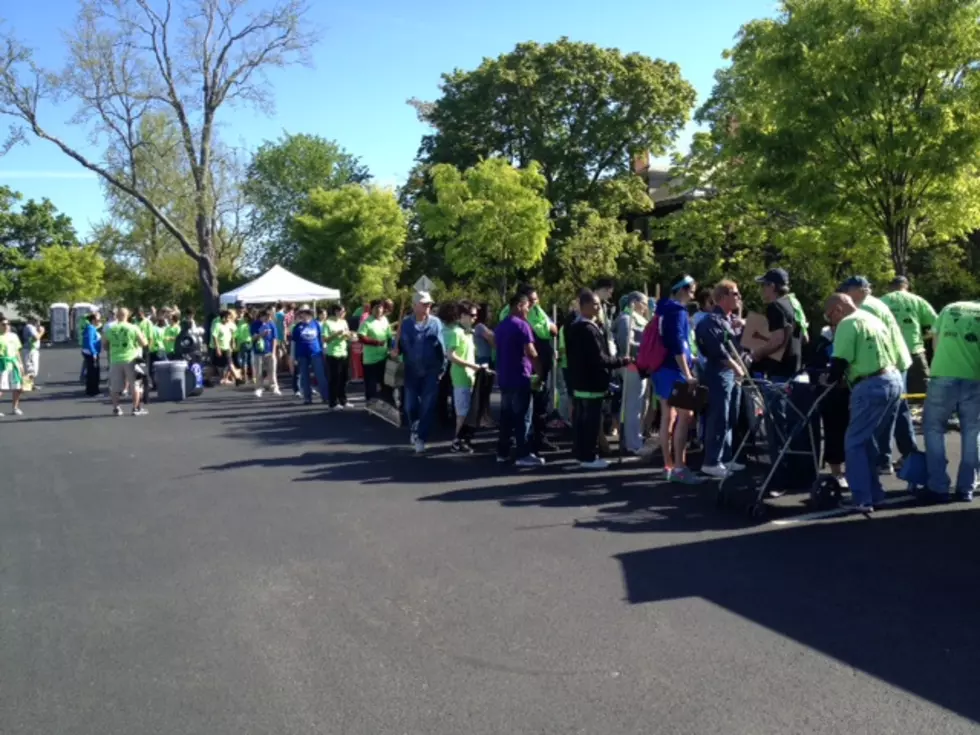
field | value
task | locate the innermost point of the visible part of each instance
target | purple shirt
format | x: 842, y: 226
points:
x: 513, y: 364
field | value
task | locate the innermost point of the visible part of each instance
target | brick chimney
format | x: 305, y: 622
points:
x: 641, y: 163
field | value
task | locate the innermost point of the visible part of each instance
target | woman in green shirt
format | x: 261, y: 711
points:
x: 375, y: 333
x: 336, y: 339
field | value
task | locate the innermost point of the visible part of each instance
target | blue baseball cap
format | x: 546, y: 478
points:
x: 854, y: 282
x: 774, y: 277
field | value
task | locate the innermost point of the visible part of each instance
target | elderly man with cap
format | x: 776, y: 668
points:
x: 628, y: 331
x: 864, y: 354
x: 307, y: 348
x: 915, y: 318
x: 421, y: 345
x: 859, y: 289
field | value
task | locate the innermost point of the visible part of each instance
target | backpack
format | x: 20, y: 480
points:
x: 652, y: 353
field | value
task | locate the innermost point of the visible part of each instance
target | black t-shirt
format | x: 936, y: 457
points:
x: 780, y: 315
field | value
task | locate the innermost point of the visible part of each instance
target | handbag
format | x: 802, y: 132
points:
x: 688, y: 396
x: 394, y: 373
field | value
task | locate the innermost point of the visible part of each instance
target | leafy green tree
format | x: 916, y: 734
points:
x: 862, y: 109
x: 127, y: 59
x: 352, y: 239
x: 492, y: 220
x: 580, y: 111
x: 278, y: 183
x: 61, y: 273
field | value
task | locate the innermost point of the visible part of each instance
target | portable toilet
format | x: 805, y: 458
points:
x: 60, y: 323
x: 78, y: 313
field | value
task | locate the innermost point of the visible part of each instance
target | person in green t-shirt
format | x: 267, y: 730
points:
x: 864, y: 352
x: 337, y: 337
x: 954, y: 387
x: 915, y: 317
x: 859, y: 289
x: 223, y: 338
x: 463, y: 368
x: 375, y: 334
x: 11, y: 365
x: 242, y: 345
x: 170, y: 333
x: 125, y: 346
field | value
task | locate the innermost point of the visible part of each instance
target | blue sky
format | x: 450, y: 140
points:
x: 374, y: 55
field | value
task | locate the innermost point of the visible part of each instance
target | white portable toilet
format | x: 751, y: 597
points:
x: 78, y: 313
x: 60, y: 323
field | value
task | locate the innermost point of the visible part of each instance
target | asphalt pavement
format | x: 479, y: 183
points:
x: 235, y: 565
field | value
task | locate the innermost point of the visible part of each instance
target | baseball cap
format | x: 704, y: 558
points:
x: 900, y: 281
x: 422, y: 297
x: 854, y: 282
x: 774, y: 277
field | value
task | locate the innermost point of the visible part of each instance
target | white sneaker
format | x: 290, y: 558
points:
x: 718, y: 470
x: 117, y: 411
x: 18, y: 412
x: 297, y: 394
x: 413, y: 439
x: 258, y: 392
x: 276, y: 392
x: 419, y: 446
x: 595, y: 464
x: 531, y: 460
x: 735, y: 467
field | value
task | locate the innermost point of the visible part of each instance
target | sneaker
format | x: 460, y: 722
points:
x: 297, y: 394
x: 735, y: 467
x: 842, y: 482
x: 886, y: 469
x: 595, y: 464
x: 531, y: 460
x: 413, y: 439
x: 18, y: 412
x: 460, y: 447
x: 964, y: 496
x: 419, y: 446
x: 258, y: 392
x: 276, y: 392
x: 140, y: 412
x: 718, y: 471
x: 547, y: 445
x: 117, y: 411
x: 683, y: 476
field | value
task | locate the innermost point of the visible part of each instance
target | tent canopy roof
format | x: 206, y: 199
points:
x: 278, y: 284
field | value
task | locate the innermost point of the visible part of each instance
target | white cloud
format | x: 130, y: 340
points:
x: 46, y: 175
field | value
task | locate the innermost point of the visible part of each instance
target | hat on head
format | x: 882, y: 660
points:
x: 635, y: 296
x: 900, y: 281
x: 854, y: 282
x: 422, y: 297
x: 774, y: 277
x: 305, y: 309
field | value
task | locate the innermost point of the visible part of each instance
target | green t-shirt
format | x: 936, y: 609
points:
x: 863, y: 340
x: 336, y: 347
x: 537, y: 317
x: 913, y: 314
x: 379, y: 329
x: 243, y: 336
x: 876, y: 306
x: 459, y: 342
x: 798, y: 313
x: 170, y: 334
x: 157, y: 344
x: 146, y: 328
x: 10, y: 346
x: 957, y: 342
x: 124, y: 342
x: 222, y: 335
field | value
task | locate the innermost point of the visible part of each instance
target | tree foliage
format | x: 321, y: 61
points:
x: 133, y: 58
x: 492, y: 220
x: 278, y: 183
x: 352, y: 239
x: 863, y: 109
x: 60, y: 273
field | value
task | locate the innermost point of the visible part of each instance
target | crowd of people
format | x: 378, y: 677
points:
x: 678, y: 363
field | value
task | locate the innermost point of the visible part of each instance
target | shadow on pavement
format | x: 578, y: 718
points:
x: 894, y: 596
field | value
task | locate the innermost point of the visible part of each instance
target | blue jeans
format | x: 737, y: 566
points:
x: 874, y: 403
x: 421, y: 394
x: 902, y: 430
x: 721, y: 416
x: 515, y: 420
x: 946, y: 395
x: 303, y: 365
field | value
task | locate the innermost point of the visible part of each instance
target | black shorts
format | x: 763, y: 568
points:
x: 220, y: 361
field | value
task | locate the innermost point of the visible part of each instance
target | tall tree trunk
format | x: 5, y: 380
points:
x: 206, y: 268
x: 898, y: 245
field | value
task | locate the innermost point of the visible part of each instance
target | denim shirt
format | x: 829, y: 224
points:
x: 712, y: 332
x: 422, y: 347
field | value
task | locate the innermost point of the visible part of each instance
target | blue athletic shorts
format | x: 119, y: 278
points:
x: 664, y: 379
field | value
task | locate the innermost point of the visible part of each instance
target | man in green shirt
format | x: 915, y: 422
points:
x: 461, y: 350
x: 375, y: 334
x: 954, y: 386
x: 859, y: 289
x: 864, y: 353
x: 915, y: 318
x: 243, y: 344
x: 125, y: 346
x: 336, y: 341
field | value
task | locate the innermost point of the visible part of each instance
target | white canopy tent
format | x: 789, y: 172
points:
x: 278, y: 284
